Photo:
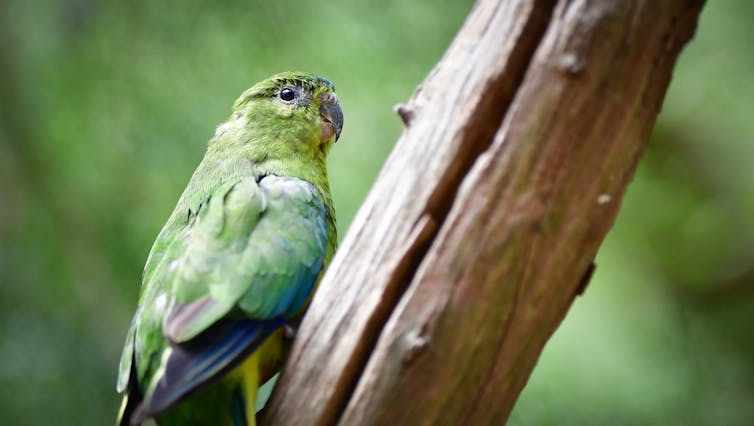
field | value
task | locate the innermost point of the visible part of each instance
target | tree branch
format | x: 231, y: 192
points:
x: 474, y: 241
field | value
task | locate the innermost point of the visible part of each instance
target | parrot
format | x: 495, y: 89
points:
x: 237, y: 261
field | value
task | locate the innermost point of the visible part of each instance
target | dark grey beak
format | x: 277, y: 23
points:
x: 330, y: 111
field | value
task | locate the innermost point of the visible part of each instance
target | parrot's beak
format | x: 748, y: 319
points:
x: 332, y: 115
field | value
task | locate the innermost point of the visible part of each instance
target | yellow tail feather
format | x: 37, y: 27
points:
x: 248, y: 373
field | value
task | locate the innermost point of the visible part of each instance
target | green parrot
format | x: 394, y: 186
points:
x: 236, y: 261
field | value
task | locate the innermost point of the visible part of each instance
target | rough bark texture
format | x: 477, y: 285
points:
x: 474, y: 241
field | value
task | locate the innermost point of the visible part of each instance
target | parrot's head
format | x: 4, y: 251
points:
x: 298, y: 109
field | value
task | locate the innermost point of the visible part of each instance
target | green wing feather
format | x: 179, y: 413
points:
x: 258, y: 249
x: 251, y: 249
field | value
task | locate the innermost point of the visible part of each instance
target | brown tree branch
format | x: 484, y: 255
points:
x: 473, y: 243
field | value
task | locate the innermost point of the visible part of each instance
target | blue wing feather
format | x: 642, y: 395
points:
x: 191, y: 367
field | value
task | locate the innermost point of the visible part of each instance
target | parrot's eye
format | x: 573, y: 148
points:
x: 287, y: 94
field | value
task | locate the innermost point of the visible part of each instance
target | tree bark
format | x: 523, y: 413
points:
x: 483, y: 224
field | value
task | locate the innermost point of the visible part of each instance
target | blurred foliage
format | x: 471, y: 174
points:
x: 106, y: 108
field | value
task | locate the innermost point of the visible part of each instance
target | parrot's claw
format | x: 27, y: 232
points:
x: 289, y: 331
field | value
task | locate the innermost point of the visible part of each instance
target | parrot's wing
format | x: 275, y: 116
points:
x: 258, y: 248
x: 247, y: 260
x: 187, y: 368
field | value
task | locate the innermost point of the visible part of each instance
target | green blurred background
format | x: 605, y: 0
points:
x: 106, y: 108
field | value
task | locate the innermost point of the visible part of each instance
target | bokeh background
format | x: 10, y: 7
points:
x: 106, y: 108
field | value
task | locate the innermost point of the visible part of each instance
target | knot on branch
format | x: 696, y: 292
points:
x: 572, y: 64
x: 415, y: 342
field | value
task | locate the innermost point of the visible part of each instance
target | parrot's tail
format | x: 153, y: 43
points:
x: 127, y: 408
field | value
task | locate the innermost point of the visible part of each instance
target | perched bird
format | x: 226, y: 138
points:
x: 236, y: 261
